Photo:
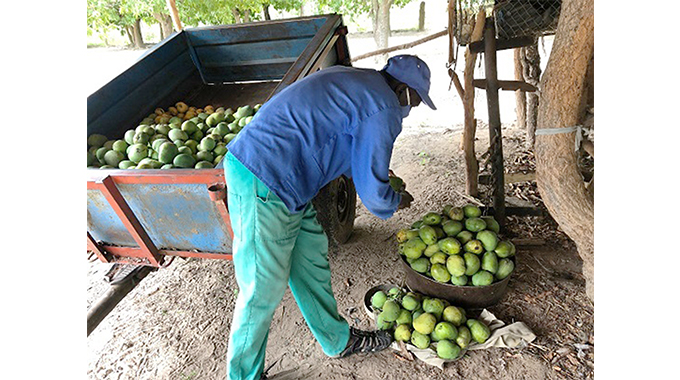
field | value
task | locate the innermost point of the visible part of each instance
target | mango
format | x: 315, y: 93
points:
x: 425, y: 323
x: 452, y: 227
x: 434, y: 306
x: 378, y: 299
x: 414, y: 248
x: 479, y: 331
x: 488, y: 238
x: 417, y: 224
x: 459, y: 280
x: 482, y: 278
x: 464, y: 236
x: 440, y: 273
x: 420, y: 340
x: 505, y: 267
x: 456, y: 213
x: 472, y: 263
x: 396, y: 183
x: 491, y: 223
x: 455, y: 265
x: 427, y: 234
x: 454, y: 315
x: 444, y: 330
x: 431, y: 250
x: 464, y: 337
x: 432, y: 218
x: 411, y: 301
x: 475, y: 224
x: 449, y: 246
x: 96, y: 139
x: 447, y: 350
x: 402, y: 333
x: 490, y: 262
x: 505, y: 248
x: 439, y: 258
x: 404, y: 317
x: 421, y: 265
x: 390, y: 310
x: 382, y: 324
x: 472, y: 211
x: 474, y: 246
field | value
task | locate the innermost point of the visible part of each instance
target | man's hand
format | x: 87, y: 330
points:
x: 406, y: 200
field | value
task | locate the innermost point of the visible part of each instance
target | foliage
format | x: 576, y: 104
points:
x: 355, y: 8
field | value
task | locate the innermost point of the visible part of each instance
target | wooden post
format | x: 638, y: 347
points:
x: 495, y: 139
x: 172, y: 7
x: 421, y: 17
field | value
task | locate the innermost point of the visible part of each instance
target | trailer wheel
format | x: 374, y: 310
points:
x: 336, y: 206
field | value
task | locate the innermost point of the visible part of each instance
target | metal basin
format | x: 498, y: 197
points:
x: 469, y: 297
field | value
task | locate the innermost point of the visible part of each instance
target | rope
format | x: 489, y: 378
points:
x: 555, y: 131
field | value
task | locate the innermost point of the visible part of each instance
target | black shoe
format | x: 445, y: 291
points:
x: 366, y: 341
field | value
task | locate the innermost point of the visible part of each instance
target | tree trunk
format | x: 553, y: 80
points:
x: 237, y: 15
x: 265, y: 9
x: 165, y: 22
x: 562, y: 105
x: 137, y: 39
x: 520, y: 96
x: 246, y: 15
x: 421, y: 17
x: 381, y: 26
x: 532, y: 75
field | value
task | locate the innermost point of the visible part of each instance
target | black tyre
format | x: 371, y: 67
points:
x: 336, y: 206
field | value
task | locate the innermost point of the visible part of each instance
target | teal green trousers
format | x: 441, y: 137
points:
x: 272, y: 249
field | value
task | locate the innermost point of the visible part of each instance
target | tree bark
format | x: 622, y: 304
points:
x: 381, y: 26
x: 520, y: 96
x: 265, y: 9
x: 237, y: 15
x: 532, y: 75
x: 165, y: 22
x: 562, y: 105
x: 421, y: 17
x: 136, y: 34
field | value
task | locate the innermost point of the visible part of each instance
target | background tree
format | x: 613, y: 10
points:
x: 565, y: 92
x: 379, y: 11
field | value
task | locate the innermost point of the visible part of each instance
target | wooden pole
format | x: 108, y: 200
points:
x: 172, y: 7
x: 470, y: 124
x: 402, y: 46
x: 495, y: 139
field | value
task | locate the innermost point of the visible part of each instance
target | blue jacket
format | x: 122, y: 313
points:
x: 340, y: 120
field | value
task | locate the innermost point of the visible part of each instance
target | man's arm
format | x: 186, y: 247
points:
x: 372, y: 145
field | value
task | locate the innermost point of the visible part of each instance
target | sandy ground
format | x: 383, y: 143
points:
x: 175, y: 324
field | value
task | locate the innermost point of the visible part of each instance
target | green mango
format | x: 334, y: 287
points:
x: 455, y: 265
x: 425, y: 323
x: 440, y: 273
x: 475, y: 224
x: 482, y: 278
x: 411, y: 301
x: 474, y: 246
x: 427, y: 234
x: 420, y: 340
x: 456, y: 213
x: 505, y: 267
x: 479, y: 331
x: 432, y: 218
x: 434, y: 306
x: 449, y: 246
x: 452, y: 227
x: 390, y: 310
x: 459, y: 280
x: 490, y: 262
x: 505, y: 248
x: 472, y: 263
x: 489, y: 239
x: 421, y: 265
x: 378, y: 299
x: 431, y: 250
x: 491, y: 223
x: 439, y: 258
x: 464, y: 337
x: 447, y: 350
x: 396, y: 183
x: 455, y: 315
x: 417, y: 224
x: 382, y: 324
x: 471, y: 211
x: 404, y: 317
x: 439, y: 232
x: 402, y: 333
x: 464, y: 236
x: 96, y: 139
x: 414, y: 248
x: 444, y: 330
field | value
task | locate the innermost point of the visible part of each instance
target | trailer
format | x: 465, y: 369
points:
x: 145, y: 216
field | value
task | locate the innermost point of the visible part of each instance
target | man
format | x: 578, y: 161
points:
x: 340, y: 120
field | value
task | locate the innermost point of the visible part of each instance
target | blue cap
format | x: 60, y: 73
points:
x: 413, y: 72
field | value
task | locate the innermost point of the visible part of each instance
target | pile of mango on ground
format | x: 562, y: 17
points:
x: 181, y: 137
x: 427, y: 322
x: 457, y: 246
